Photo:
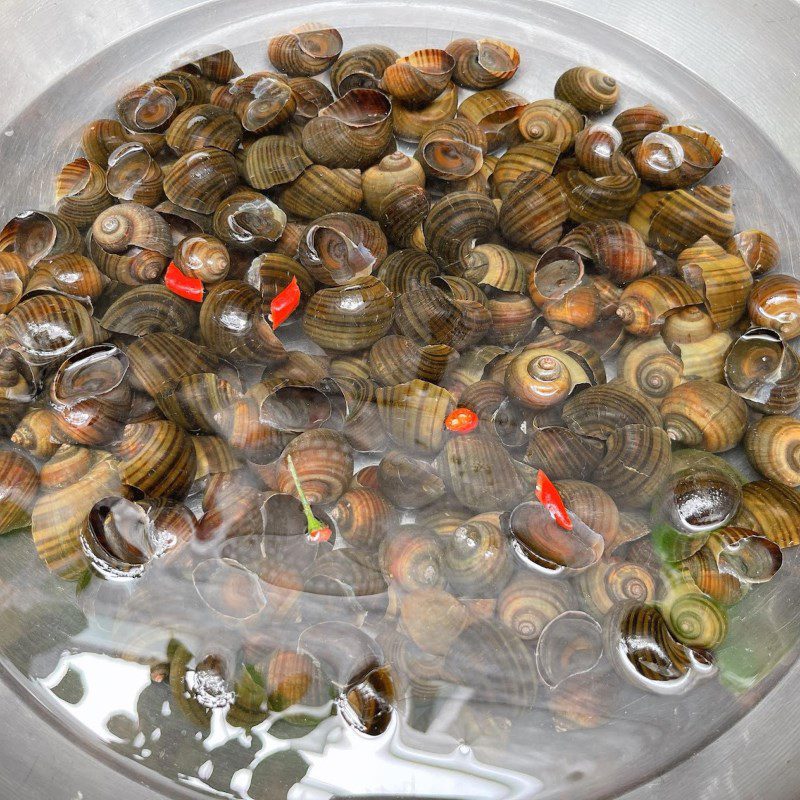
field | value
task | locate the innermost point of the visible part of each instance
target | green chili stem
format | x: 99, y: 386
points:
x: 313, y: 523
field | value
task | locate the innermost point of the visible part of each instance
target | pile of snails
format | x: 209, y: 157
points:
x: 509, y: 260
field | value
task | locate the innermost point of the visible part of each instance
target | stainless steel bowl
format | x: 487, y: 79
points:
x: 733, y: 65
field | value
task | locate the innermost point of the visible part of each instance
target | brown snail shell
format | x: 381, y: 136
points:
x: 339, y: 248
x: 147, y: 108
x: 14, y: 274
x: 133, y: 175
x: 397, y: 359
x: 70, y: 274
x: 320, y: 190
x: 47, y: 328
x: 81, y: 192
x: 324, y: 463
x: 263, y: 101
x: 103, y: 136
x: 456, y: 223
x: 148, y: 309
x: 512, y: 318
x: 772, y: 510
x: 636, y: 123
x: 705, y: 415
x: 194, y: 401
x: 61, y: 513
x: 471, y: 367
x: 413, y: 415
x: 534, y: 211
x: 392, y: 171
x: 402, y: 213
x: 157, y: 458
x: 408, y: 482
x: 238, y: 420
x: 348, y: 318
x: 614, y: 247
x: 132, y: 268
x: 412, y: 557
x: 772, y: 448
x: 187, y: 88
x: 758, y: 249
x: 232, y: 325
x: 561, y: 454
x: 411, y: 123
x: 477, y: 558
x: 616, y: 581
x: 597, y: 199
x: 219, y: 67
x: 247, y: 219
x: 36, y: 433
x: 646, y: 303
x: 689, y: 325
x: 34, y: 235
x: 522, y: 158
x: 529, y: 602
x: 311, y: 96
x: 128, y: 225
x: 182, y: 222
x: 200, y: 179
x: 722, y: 586
x: 275, y: 272
x: 592, y: 504
x: 19, y: 484
x: 452, y: 150
x: 484, y: 398
x: 741, y: 553
x: 91, y: 396
x: 676, y: 157
x: 672, y: 221
x: 480, y: 473
x: 496, y: 112
x: 419, y: 78
x: 598, y: 150
x: 433, y: 619
x: 551, y: 122
x: 774, y: 303
x: 723, y: 279
x: 704, y: 359
x: 588, y: 89
x: 202, y: 126
x: 650, y: 366
x: 361, y: 67
x: 352, y: 132
x: 273, y: 160
x: 540, y: 378
x: 482, y: 63
x: 306, y: 50
x: 429, y: 316
x: 203, y: 257
x: 600, y: 410
x: 362, y: 517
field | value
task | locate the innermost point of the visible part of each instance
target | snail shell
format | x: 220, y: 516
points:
x: 482, y: 64
x: 705, y: 415
x: 187, y: 88
x: 419, y: 78
x: 672, y: 221
x: 263, y: 101
x: 636, y: 123
x: 591, y: 503
x: 530, y: 602
x: 81, y: 192
x: 407, y: 482
x: 588, y: 89
x: 540, y: 378
x: 533, y: 212
x: 477, y: 558
x: 362, y: 517
x: 339, y: 248
x: 151, y: 308
x: 131, y: 268
x: 19, y: 483
x: 219, y: 67
x: 480, y: 473
x: 433, y: 619
x: 763, y: 370
x: 402, y: 213
x: 570, y: 645
x: 413, y: 414
x: 512, y: 318
x: 319, y: 191
x: 597, y: 199
x: 361, y: 67
x: 412, y: 557
x: 34, y: 235
x: 203, y: 257
x: 194, y: 401
x: 522, y: 158
x: 128, y: 225
x: 411, y: 123
x: 134, y: 175
x: 247, y: 219
x: 273, y: 160
x: 91, y: 396
x: 311, y: 96
x: 202, y: 126
x: 774, y: 303
x: 695, y: 619
x: 348, y: 318
x: 147, y: 108
x: 561, y: 454
x: 676, y: 156
x: 36, y: 433
x: 773, y: 448
x: 103, y: 136
x: 306, y: 50
x: 352, y: 132
x: 14, y: 274
x: 389, y: 174
x: 551, y: 122
x: 396, y: 359
x: 723, y: 279
x: 70, y: 274
x: 741, y: 553
x: 495, y: 112
x: 615, y: 581
x: 452, y: 150
x: 645, y: 304
x: 275, y: 272
x: 772, y: 510
x: 600, y: 410
x: 598, y: 150
x: 722, y: 586
x: 200, y: 179
x: 651, y: 367
x: 758, y: 249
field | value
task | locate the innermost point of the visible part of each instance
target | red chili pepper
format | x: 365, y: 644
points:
x: 462, y: 420
x: 183, y: 285
x: 284, y: 303
x: 548, y: 496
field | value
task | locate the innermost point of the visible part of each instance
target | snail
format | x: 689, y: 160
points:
x: 273, y: 161
x: 81, y: 192
x: 638, y: 122
x: 418, y: 78
x: 410, y: 123
x: 771, y: 448
x: 134, y: 175
x: 588, y: 89
x: 306, y: 50
x: 534, y: 211
x: 519, y: 159
x: 385, y: 177
x: 758, y: 249
x: 452, y: 150
x: 774, y: 303
x: 551, y: 121
x: 482, y: 64
x: 529, y: 602
x: 319, y: 190
x: 361, y: 67
x: 496, y: 112
x: 677, y: 156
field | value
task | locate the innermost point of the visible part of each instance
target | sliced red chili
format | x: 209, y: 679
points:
x: 284, y: 304
x: 322, y: 534
x: 462, y: 420
x: 183, y: 285
x: 548, y: 496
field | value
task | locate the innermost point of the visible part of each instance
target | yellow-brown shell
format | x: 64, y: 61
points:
x: 411, y: 124
x: 759, y: 250
x: 774, y: 302
x: 495, y: 112
x: 647, y: 302
x: 553, y: 122
x: 306, y: 50
x: 419, y: 78
x: 81, y: 192
x: 483, y: 63
x: 588, y: 89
